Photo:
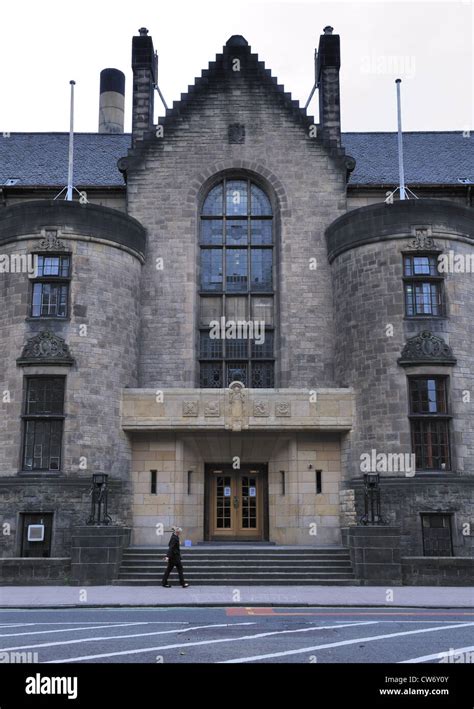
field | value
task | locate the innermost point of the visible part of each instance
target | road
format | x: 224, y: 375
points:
x: 237, y: 635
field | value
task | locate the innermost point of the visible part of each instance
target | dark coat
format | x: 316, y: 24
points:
x: 174, y: 552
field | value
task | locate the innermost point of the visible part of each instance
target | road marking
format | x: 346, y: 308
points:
x: 341, y: 643
x: 263, y: 611
x: 439, y: 655
x: 106, y: 623
x: 208, y: 642
x: 121, y: 637
x: 70, y: 630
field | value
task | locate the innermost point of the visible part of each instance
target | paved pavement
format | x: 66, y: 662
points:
x: 233, y: 635
x: 132, y: 596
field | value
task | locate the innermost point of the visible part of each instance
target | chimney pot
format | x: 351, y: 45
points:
x: 112, y: 101
x: 143, y: 31
x: 328, y: 29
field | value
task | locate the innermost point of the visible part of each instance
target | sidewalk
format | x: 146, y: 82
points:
x: 131, y: 596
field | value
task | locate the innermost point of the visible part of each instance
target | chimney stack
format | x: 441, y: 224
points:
x: 112, y: 101
x: 144, y: 66
x: 327, y: 71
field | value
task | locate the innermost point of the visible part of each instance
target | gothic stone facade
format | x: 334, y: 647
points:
x: 368, y: 355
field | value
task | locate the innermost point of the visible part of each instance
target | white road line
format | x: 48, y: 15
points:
x: 439, y: 655
x: 208, y: 642
x: 120, y: 637
x: 70, y: 630
x: 91, y: 622
x: 341, y: 643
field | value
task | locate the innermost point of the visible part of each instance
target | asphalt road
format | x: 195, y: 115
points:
x: 237, y: 635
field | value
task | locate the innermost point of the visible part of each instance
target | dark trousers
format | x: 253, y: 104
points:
x: 179, y: 566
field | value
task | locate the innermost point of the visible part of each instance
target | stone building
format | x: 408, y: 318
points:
x: 236, y: 320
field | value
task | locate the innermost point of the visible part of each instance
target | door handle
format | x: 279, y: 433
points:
x: 236, y: 502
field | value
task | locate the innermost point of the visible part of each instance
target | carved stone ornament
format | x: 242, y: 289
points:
x: 426, y: 348
x: 236, y: 133
x: 212, y: 408
x: 283, y: 408
x: 236, y: 418
x: 261, y: 408
x: 46, y: 348
x: 422, y: 239
x: 50, y: 242
x: 190, y: 408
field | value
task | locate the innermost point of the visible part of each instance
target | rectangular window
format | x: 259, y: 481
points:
x: 211, y: 231
x: 319, y: 482
x: 211, y: 269
x: 236, y: 270
x: 36, y: 542
x: 211, y: 308
x: 265, y: 349
x: 437, y: 534
x: 211, y: 375
x: 237, y: 372
x: 236, y: 232
x: 51, y: 287
x: 429, y: 422
x: 263, y: 375
x: 262, y: 266
x: 423, y: 285
x: 43, y: 423
x: 153, y: 475
x: 211, y: 348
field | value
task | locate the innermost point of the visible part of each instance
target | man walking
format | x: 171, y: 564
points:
x: 174, y: 559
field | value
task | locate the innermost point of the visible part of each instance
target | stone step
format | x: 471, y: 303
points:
x: 230, y: 568
x: 242, y: 565
x: 247, y: 582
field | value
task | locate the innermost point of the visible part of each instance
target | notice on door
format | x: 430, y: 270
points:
x: 226, y: 491
x: 252, y: 492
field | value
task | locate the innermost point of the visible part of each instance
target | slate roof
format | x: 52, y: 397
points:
x: 40, y: 159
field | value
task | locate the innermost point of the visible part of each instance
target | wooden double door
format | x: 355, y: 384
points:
x: 236, y: 503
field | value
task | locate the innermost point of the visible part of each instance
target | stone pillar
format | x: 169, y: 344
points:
x: 96, y: 553
x: 375, y: 554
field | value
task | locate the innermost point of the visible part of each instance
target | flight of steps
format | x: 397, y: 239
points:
x: 248, y: 566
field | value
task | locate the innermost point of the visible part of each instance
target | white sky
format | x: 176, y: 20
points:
x: 429, y: 45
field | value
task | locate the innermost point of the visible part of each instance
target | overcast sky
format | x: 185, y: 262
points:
x: 429, y: 45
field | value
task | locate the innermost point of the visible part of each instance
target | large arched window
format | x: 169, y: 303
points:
x: 236, y: 291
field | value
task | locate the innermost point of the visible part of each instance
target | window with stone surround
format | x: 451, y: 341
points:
x: 423, y: 286
x: 43, y: 421
x: 50, y: 292
x: 237, y: 286
x: 429, y: 420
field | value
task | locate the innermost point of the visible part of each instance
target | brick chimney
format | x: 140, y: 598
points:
x: 144, y: 65
x: 327, y: 72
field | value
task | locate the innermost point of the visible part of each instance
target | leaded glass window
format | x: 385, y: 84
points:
x: 237, y: 318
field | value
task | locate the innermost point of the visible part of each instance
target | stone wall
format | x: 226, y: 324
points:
x: 437, y: 571
x: 102, y: 335
x: 167, y: 178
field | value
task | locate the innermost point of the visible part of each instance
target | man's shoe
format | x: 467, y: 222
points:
x: 166, y: 585
x: 185, y: 585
